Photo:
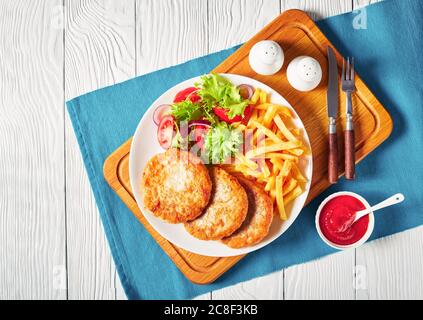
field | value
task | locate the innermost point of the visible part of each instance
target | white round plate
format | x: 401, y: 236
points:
x: 145, y: 145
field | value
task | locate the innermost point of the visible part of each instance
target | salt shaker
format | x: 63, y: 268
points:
x: 304, y: 73
x: 266, y: 57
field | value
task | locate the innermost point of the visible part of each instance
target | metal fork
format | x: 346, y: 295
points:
x: 348, y: 86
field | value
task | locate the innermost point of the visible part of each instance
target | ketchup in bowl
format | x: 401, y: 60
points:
x: 335, y: 220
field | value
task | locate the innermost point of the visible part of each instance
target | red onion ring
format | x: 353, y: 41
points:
x: 203, y: 123
x: 192, y: 125
x: 248, y: 89
x: 160, y: 112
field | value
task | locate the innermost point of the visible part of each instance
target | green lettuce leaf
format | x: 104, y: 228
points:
x: 186, y: 110
x: 222, y: 141
x: 216, y: 90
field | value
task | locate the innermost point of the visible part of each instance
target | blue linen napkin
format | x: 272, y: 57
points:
x: 388, y: 56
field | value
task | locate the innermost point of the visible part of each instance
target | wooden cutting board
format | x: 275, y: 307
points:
x: 298, y: 35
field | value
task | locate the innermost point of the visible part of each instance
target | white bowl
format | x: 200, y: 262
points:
x: 370, y: 227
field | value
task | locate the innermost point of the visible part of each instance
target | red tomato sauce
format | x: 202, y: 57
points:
x: 336, y: 218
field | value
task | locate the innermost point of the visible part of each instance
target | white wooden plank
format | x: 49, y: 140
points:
x: 234, y: 22
x: 330, y: 277
x: 231, y: 23
x: 32, y: 198
x: 206, y: 296
x: 392, y: 267
x: 318, y: 9
x: 99, y: 51
x: 269, y: 287
x: 120, y: 292
x: 169, y: 32
x: 362, y: 3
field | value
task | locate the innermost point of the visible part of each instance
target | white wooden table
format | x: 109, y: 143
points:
x: 52, y: 245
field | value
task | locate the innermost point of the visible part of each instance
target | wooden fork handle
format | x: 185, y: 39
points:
x: 349, y: 149
x: 333, y: 154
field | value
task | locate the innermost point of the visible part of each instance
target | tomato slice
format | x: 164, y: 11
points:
x: 247, y: 114
x: 198, y: 135
x: 222, y: 114
x: 166, y: 131
x: 187, y: 93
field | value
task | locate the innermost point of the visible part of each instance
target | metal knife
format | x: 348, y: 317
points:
x: 332, y: 100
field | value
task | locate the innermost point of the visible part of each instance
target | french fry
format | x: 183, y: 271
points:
x: 283, y: 156
x: 297, y: 173
x: 259, y: 138
x: 297, y: 151
x: 264, y: 168
x: 260, y: 178
x: 275, y: 170
x: 280, y: 134
x: 273, y: 148
x: 253, y: 173
x: 261, y: 114
x: 286, y: 168
x: 268, y: 116
x: 268, y: 141
x: 247, y: 162
x: 263, y: 97
x: 289, y: 185
x: 282, y: 110
x: 240, y: 126
x: 270, y: 184
x: 267, y: 132
x: 279, y: 197
x: 278, y: 163
x: 282, y: 127
x: 293, y: 194
x: 254, y: 116
x: 296, y: 131
x: 273, y: 195
x: 255, y: 98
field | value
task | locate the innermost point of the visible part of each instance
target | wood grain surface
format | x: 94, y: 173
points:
x: 32, y: 201
x: 99, y: 51
x: 34, y: 237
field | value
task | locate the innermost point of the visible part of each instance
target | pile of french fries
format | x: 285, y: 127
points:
x: 272, y: 148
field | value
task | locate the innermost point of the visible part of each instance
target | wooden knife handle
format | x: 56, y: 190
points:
x: 349, y: 154
x: 333, y: 158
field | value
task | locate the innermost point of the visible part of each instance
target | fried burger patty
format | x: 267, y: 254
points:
x: 226, y: 211
x: 176, y: 186
x: 259, y: 217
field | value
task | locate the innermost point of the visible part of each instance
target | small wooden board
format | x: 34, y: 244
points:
x: 298, y: 35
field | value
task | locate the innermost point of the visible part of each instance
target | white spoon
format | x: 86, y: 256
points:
x: 396, y: 198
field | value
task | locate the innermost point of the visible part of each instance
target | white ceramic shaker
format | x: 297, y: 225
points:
x: 304, y: 73
x: 266, y: 57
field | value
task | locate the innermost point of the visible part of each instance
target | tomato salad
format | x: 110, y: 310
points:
x: 202, y: 118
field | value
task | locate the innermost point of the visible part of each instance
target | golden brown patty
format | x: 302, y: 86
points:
x: 226, y: 211
x: 259, y: 217
x: 176, y: 186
